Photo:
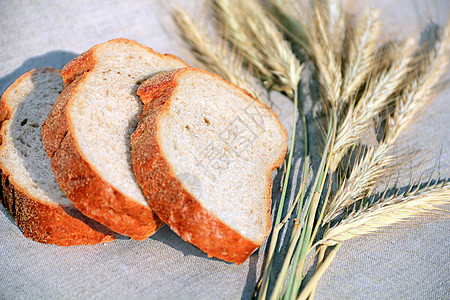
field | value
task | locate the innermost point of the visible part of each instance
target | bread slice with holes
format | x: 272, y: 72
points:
x: 87, y: 134
x: 204, y: 152
x: 29, y: 190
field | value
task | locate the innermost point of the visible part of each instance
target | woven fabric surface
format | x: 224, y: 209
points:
x: 407, y: 262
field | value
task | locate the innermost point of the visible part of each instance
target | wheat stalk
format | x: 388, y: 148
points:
x: 215, y: 57
x: 388, y: 211
x: 247, y: 27
x: 355, y: 87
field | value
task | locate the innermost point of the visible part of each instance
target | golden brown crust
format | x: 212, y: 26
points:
x: 86, y: 61
x: 97, y: 199
x: 78, y: 66
x: 39, y: 220
x: 166, y: 195
x: 92, y: 195
x: 49, y: 223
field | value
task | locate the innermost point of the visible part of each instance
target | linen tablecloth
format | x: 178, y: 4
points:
x: 410, y: 261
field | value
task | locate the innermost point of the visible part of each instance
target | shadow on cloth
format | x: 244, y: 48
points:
x: 167, y: 236
x: 254, y: 271
x: 54, y: 59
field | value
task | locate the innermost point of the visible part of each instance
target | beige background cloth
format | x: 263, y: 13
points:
x: 410, y: 261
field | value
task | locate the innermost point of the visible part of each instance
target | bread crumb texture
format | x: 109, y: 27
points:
x: 30, y: 191
x: 105, y: 109
x: 23, y: 155
x: 204, y: 151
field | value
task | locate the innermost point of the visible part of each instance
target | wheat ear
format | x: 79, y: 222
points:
x: 389, y: 211
x: 326, y: 49
x: 250, y: 29
x: 374, y: 100
x: 215, y: 57
x: 423, y: 89
x: 360, y: 54
x: 288, y: 15
x: 375, y: 165
x: 357, y: 186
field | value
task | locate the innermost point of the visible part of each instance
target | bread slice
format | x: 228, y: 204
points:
x: 203, y: 152
x: 30, y: 192
x: 87, y: 134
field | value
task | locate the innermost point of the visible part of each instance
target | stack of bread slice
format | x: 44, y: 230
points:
x: 137, y: 139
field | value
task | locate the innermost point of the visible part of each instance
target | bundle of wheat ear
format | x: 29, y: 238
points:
x: 364, y: 85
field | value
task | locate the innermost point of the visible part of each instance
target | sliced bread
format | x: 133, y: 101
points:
x: 87, y: 134
x: 204, y: 152
x: 29, y: 189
